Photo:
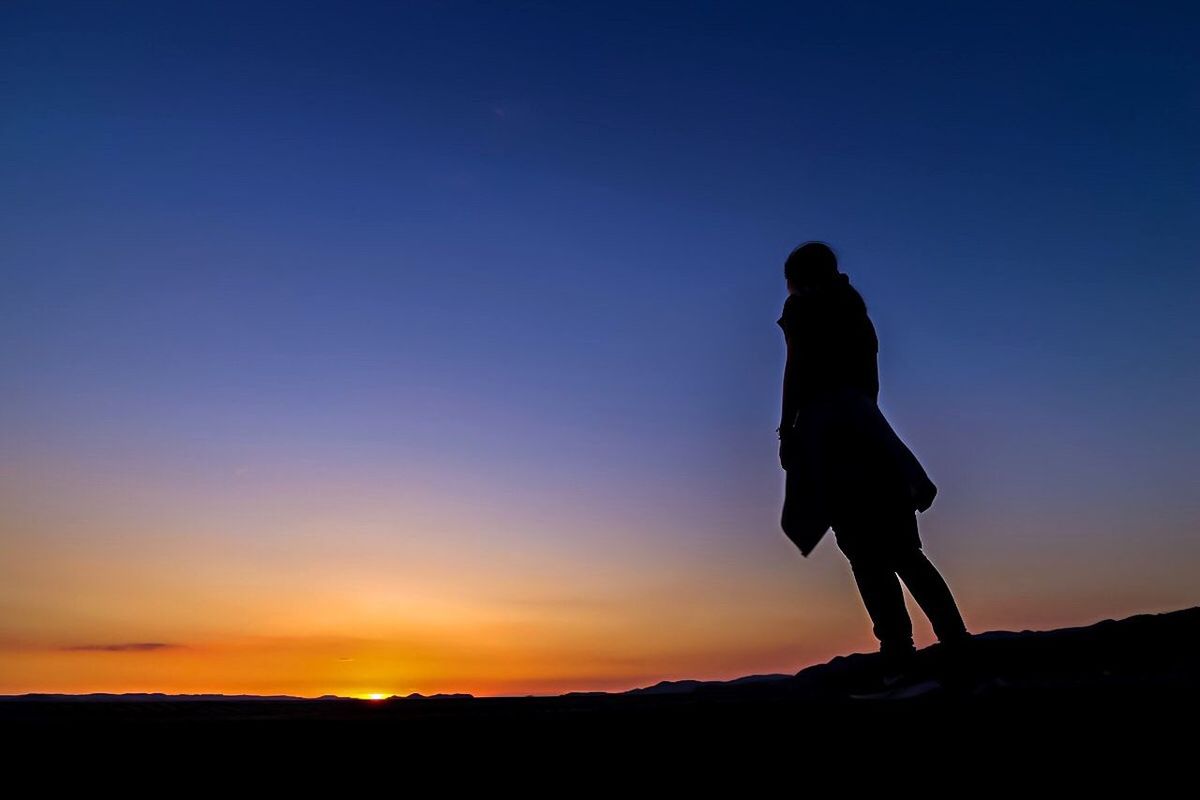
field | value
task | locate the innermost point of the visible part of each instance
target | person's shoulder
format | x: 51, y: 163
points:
x: 791, y: 310
x: 849, y: 295
x: 790, y: 303
x: 796, y: 301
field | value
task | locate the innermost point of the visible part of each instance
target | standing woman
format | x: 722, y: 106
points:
x: 846, y: 468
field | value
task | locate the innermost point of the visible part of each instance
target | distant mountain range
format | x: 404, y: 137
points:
x: 160, y: 697
x: 1144, y: 652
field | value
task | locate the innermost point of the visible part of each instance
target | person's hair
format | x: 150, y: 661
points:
x: 811, y: 262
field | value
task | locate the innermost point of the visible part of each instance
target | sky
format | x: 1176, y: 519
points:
x: 376, y: 348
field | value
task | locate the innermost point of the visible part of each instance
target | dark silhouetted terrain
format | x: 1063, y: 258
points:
x: 1114, y: 681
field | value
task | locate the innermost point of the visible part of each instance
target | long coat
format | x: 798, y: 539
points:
x: 841, y: 455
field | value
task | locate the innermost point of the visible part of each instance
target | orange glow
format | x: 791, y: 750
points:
x: 169, y: 592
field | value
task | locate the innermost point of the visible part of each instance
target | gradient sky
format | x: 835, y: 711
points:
x: 431, y: 346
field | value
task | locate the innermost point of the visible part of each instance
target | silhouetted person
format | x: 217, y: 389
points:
x: 846, y: 468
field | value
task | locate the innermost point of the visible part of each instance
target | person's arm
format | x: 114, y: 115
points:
x: 790, y: 373
x: 804, y: 333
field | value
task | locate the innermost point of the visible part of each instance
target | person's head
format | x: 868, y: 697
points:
x: 809, y: 264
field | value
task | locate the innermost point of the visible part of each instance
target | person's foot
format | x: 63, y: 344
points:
x: 897, y: 664
x: 958, y: 644
x: 956, y: 661
x: 893, y: 678
x: 902, y: 691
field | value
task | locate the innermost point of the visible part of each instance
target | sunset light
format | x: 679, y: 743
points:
x: 435, y: 344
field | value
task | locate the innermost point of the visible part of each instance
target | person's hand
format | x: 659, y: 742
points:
x: 786, y: 442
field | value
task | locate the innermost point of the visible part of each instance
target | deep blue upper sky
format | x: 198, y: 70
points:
x: 541, y: 244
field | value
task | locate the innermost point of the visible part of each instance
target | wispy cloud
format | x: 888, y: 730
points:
x: 123, y: 647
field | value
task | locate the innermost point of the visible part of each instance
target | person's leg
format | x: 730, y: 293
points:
x: 860, y: 531
x: 932, y: 594
x: 884, y: 601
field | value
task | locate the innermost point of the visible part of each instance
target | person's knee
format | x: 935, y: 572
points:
x: 870, y: 564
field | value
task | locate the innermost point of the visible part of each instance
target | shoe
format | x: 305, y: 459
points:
x: 959, y: 638
x: 897, y: 665
x: 905, y: 691
x: 957, y: 661
x: 893, y: 678
x: 957, y: 647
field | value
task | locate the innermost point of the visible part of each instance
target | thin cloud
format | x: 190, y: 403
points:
x: 124, y: 647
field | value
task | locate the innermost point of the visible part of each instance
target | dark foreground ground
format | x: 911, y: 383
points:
x: 1101, y: 691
